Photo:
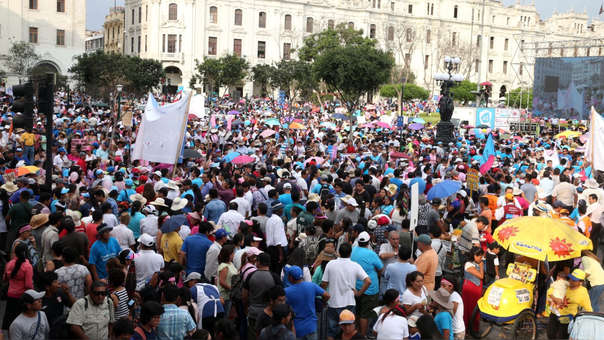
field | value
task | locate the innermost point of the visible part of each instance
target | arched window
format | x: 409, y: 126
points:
x: 372, y: 31
x: 390, y: 36
x: 330, y: 24
x: 409, y: 34
x: 455, y: 11
x: 173, y: 12
x: 238, y: 17
x: 288, y: 22
x: 428, y: 36
x: 213, y: 15
x: 351, y: 25
x: 262, y: 19
x: 309, y: 25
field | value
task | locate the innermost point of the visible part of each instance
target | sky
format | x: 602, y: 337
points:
x: 97, y: 9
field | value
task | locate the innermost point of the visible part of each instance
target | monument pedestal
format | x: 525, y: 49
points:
x: 445, y: 132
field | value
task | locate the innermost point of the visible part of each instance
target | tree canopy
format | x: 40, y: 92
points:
x: 22, y: 57
x: 213, y: 73
x: 410, y: 91
x: 463, y: 91
x: 520, y: 98
x: 341, y: 35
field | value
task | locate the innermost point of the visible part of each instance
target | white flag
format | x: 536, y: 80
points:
x: 552, y: 155
x: 595, y: 144
x: 197, y: 106
x: 160, y: 133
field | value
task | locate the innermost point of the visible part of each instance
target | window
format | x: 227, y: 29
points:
x: 520, y: 69
x: 171, y: 43
x: 426, y: 61
x: 562, y: 52
x: 493, y: 19
x: 262, y: 20
x: 427, y: 8
x: 490, y: 65
x: 455, y: 10
x: 492, y: 43
x: 372, y: 31
x: 428, y: 36
x: 139, y: 44
x: 409, y: 34
x: 505, y: 67
x: 61, y: 6
x: 237, y: 47
x: 145, y: 43
x: 213, y: 15
x: 238, y: 17
x: 180, y: 43
x: 173, y: 12
x: 521, y: 45
x: 507, y: 21
x: 392, y: 6
x: 454, y: 39
x: 132, y: 16
x: 261, y: 49
x: 390, y: 36
x: 410, y: 9
x: 476, y: 65
x: 288, y: 22
x: 287, y: 47
x: 33, y: 35
x: 33, y: 4
x: 309, y: 24
x: 146, y: 12
x: 478, y: 40
x: 212, y: 45
x: 61, y: 37
x: 132, y: 45
x: 431, y: 9
x: 163, y: 43
x: 140, y: 14
x: 351, y: 25
x: 506, y: 43
x: 330, y: 24
x: 374, y: 4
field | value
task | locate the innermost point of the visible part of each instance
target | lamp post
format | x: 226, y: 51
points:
x: 118, y: 89
x: 444, y: 129
x: 403, y: 82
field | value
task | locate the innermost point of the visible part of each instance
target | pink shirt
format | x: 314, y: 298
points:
x: 22, y: 281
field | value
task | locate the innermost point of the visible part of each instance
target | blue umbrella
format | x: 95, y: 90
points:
x: 272, y: 122
x: 340, y: 116
x: 416, y: 126
x: 444, y: 189
x: 230, y: 156
x: 419, y: 121
x: 173, y: 223
x: 233, y: 112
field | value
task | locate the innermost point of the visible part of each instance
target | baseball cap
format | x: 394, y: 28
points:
x: 276, y: 205
x: 146, y: 240
x: 192, y: 276
x: 253, y: 251
x: 101, y: 228
x: 31, y: 295
x: 295, y: 272
x: 287, y: 186
x: 346, y: 317
x: 424, y: 238
x: 220, y: 233
x: 257, y: 239
x: 364, y: 237
x: 436, y: 201
x: 358, y: 227
x: 577, y: 275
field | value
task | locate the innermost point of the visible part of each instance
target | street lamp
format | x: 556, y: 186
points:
x: 118, y: 89
x: 444, y: 129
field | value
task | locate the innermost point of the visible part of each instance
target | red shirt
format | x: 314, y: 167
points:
x: 22, y: 281
x: 91, y: 233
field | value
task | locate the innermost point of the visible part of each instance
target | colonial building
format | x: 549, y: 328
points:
x: 495, y: 42
x: 57, y: 30
x: 94, y: 41
x: 114, y: 30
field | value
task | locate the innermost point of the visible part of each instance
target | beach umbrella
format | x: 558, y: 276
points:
x: 340, y: 116
x: 173, y: 223
x: 233, y: 112
x: 329, y: 125
x: 416, y: 126
x: 297, y: 126
x: 568, y: 134
x: 26, y: 170
x: 444, y: 189
x: 191, y: 153
x: 272, y: 122
x: 383, y: 125
x: 418, y: 120
x: 243, y: 159
x: 230, y: 156
x: 267, y: 133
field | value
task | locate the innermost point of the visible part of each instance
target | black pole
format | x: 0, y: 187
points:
x: 46, y: 106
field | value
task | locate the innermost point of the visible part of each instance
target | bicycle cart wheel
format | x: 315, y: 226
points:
x: 484, y: 327
x: 525, y: 326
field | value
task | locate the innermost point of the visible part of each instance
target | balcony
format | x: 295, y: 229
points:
x: 176, y: 57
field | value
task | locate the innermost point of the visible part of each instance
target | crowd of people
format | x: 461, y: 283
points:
x: 310, y: 240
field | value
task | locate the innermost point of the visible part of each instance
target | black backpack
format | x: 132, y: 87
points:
x: 237, y: 281
x: 324, y: 192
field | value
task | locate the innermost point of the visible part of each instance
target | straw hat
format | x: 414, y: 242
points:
x: 10, y: 187
x: 392, y: 188
x: 138, y: 197
x: 38, y: 220
x: 314, y: 198
x: 442, y: 297
x: 75, y: 216
x: 179, y: 203
x: 159, y: 202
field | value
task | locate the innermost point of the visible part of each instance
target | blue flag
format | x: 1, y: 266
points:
x: 489, y: 150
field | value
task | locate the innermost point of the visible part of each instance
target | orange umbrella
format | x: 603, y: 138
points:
x: 297, y: 126
x: 26, y: 170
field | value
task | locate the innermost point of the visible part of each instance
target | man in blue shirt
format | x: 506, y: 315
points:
x: 214, y: 208
x: 194, y: 249
x: 301, y: 297
x: 396, y: 273
x: 105, y: 248
x: 372, y: 265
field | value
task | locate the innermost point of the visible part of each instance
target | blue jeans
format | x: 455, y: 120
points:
x: 28, y: 152
x: 594, y: 297
x: 333, y: 319
x: 311, y: 336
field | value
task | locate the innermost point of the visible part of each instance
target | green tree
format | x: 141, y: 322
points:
x: 353, y: 70
x: 262, y: 75
x: 463, y: 91
x: 144, y: 74
x: 294, y: 77
x: 234, y: 70
x: 520, y: 98
x: 410, y: 91
x: 341, y: 35
x: 22, y: 57
x: 209, y: 73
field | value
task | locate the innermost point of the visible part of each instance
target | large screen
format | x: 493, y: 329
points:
x: 568, y: 87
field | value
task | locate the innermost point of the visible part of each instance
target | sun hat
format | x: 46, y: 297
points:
x: 139, y: 198
x: 10, y: 187
x: 179, y: 203
x: 442, y: 297
x: 346, y: 317
x: 38, y: 220
x: 159, y: 202
x: 591, y: 184
x: 349, y: 200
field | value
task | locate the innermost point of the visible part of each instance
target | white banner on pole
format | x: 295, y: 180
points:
x: 413, y: 213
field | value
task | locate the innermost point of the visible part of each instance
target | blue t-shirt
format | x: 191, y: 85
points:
x: 135, y: 224
x: 301, y: 297
x: 395, y: 275
x: 443, y: 321
x: 101, y: 252
x: 196, y: 246
x: 371, y: 263
x: 421, y: 184
x: 286, y: 199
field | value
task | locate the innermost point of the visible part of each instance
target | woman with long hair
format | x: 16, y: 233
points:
x: 415, y: 297
x: 472, y: 284
x: 20, y: 274
x: 392, y: 324
x: 595, y: 275
x: 226, y: 271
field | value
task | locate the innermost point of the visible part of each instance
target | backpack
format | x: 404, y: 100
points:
x: 324, y: 192
x: 311, y: 249
x: 304, y: 221
x: 237, y: 285
x: 60, y: 329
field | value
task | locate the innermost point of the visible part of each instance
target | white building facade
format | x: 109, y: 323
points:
x: 56, y: 28
x: 418, y: 32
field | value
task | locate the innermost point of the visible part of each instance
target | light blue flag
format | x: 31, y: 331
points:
x: 489, y: 150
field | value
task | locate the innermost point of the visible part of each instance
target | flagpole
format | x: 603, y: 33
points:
x: 182, y: 134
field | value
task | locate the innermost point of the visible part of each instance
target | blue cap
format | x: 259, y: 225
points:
x: 220, y: 233
x: 110, y: 169
x: 64, y: 191
x: 295, y: 272
x: 62, y: 149
x: 128, y: 182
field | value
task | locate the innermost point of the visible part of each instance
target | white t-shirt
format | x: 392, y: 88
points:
x: 392, y: 327
x: 342, y: 275
x: 146, y: 264
x: 411, y: 299
x: 123, y: 235
x: 458, y: 325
